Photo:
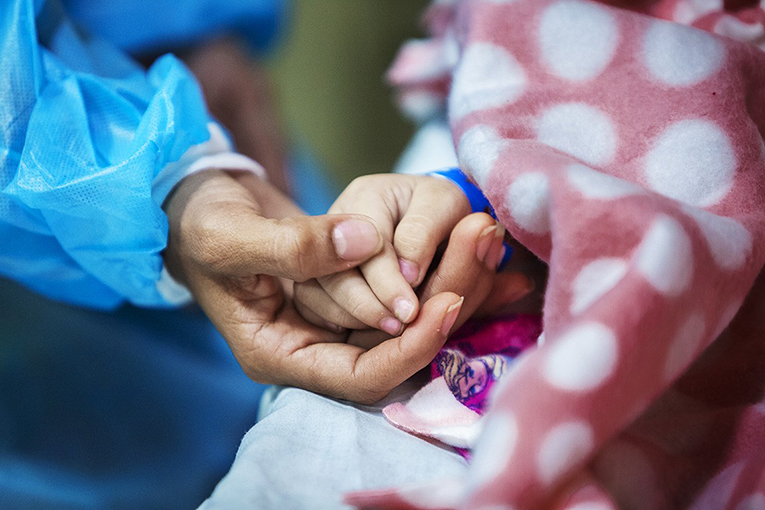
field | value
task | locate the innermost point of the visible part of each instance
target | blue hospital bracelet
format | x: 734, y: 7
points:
x: 478, y: 201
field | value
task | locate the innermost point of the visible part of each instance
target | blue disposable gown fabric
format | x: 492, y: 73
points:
x: 119, y: 409
x: 84, y: 131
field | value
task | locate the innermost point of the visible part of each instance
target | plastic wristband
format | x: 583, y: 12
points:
x: 478, y: 201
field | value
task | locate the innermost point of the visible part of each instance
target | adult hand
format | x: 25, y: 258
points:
x: 233, y: 236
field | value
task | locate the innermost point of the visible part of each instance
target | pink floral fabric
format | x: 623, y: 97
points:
x: 622, y: 142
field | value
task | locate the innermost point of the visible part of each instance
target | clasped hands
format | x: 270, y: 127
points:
x: 366, y: 312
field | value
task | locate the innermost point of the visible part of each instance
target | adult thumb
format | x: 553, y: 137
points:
x: 304, y: 247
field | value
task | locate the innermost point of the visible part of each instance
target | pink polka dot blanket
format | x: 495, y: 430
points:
x: 622, y: 143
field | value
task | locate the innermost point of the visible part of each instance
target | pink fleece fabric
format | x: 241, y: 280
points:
x: 622, y: 142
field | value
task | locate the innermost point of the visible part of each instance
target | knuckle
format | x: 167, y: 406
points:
x: 416, y: 235
x: 298, y: 248
x: 362, y: 182
x: 359, y: 188
x: 421, y: 224
x: 362, y: 308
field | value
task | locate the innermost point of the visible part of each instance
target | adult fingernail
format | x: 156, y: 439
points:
x: 390, y: 326
x: 409, y: 270
x: 485, y: 240
x: 495, y: 255
x: 497, y: 250
x: 404, y: 309
x: 355, y: 239
x: 451, y: 316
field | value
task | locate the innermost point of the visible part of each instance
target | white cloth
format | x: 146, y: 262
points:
x: 309, y: 450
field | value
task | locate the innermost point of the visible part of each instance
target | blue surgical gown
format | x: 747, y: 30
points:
x: 107, y: 400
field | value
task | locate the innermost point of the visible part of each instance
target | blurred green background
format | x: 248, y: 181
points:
x: 329, y: 76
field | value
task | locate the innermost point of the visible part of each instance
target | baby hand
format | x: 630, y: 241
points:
x: 414, y: 214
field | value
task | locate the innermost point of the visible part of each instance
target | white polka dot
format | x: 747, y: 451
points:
x: 478, y: 150
x: 594, y: 281
x: 683, y: 13
x: 729, y: 242
x: 684, y: 346
x: 680, y: 56
x: 582, y: 358
x: 732, y: 27
x: 444, y: 494
x: 692, y: 161
x: 688, y: 11
x: 578, y: 39
x: 752, y: 502
x: 488, y: 76
x: 598, y: 185
x: 564, y: 447
x: 495, y: 446
x: 626, y: 472
x: 528, y: 199
x: 665, y: 256
x: 580, y: 130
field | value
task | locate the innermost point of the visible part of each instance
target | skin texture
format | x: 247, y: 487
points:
x: 238, y: 244
x: 414, y: 214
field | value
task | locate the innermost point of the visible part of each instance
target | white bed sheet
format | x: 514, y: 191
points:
x: 309, y: 450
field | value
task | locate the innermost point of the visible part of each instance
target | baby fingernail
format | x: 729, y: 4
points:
x: 355, y: 239
x: 409, y: 270
x: 451, y: 316
x: 404, y: 309
x: 390, y: 326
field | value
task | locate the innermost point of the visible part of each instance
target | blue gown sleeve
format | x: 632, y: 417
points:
x: 146, y: 26
x: 84, y: 133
